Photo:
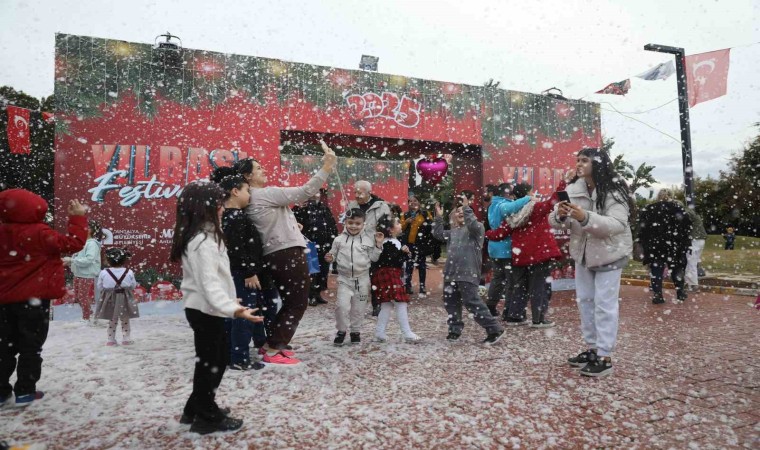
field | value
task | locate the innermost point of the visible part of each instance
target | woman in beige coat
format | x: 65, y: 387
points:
x: 598, y: 216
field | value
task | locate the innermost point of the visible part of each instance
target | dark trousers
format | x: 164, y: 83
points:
x: 291, y: 276
x: 459, y: 293
x: 319, y: 280
x: 437, y: 248
x: 501, y: 283
x: 416, y: 259
x: 529, y: 282
x: 23, y: 331
x: 677, y: 275
x: 241, y: 331
x: 211, y: 358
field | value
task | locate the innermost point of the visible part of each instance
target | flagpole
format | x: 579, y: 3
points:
x: 683, y: 107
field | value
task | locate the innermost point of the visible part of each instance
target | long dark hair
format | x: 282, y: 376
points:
x: 607, y: 181
x: 197, y: 207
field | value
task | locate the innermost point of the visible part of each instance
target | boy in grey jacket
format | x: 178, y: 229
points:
x: 354, y: 252
x: 461, y: 274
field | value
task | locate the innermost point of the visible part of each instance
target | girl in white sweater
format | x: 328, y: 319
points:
x: 209, y: 295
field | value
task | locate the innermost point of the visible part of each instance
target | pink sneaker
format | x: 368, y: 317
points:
x: 279, y: 358
x: 288, y: 353
x: 111, y: 344
x: 127, y: 342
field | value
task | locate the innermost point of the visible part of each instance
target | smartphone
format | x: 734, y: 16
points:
x: 563, y: 197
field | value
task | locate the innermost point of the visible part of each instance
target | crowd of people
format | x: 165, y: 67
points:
x: 242, y: 246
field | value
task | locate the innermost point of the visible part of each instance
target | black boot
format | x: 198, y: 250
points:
x: 203, y: 426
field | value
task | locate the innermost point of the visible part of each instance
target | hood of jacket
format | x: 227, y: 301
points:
x: 22, y: 206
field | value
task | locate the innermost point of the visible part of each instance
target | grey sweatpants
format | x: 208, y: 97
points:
x: 458, y: 293
x: 353, y: 294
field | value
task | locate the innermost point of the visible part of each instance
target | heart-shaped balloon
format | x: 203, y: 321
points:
x: 432, y: 170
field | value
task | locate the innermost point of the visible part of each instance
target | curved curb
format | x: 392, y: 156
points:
x: 704, y: 289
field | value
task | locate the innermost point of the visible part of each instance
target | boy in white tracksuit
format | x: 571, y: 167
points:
x: 354, y: 253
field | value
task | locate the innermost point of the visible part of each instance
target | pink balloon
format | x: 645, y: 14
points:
x: 432, y: 170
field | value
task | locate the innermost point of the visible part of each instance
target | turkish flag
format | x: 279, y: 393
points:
x: 707, y: 75
x: 18, y: 130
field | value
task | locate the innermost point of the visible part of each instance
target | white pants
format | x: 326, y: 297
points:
x: 692, y: 259
x: 353, y: 294
x: 597, y: 296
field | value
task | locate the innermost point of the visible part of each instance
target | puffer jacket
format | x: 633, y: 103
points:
x: 605, y: 237
x: 30, y: 251
x: 665, y: 233
x: 86, y: 263
x: 354, y: 254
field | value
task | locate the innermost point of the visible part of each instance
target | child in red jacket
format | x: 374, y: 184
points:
x: 31, y: 273
x: 534, y: 250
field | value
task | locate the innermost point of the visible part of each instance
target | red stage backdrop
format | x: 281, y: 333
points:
x: 136, y: 123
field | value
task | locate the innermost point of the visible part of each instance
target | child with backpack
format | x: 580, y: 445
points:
x: 354, y: 253
x: 116, y: 285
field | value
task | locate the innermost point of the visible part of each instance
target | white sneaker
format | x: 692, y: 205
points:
x: 412, y: 338
x: 379, y: 338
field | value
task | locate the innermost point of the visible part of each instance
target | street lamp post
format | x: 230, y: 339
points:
x: 683, y: 107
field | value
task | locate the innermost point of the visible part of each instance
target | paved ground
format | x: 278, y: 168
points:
x: 686, y: 377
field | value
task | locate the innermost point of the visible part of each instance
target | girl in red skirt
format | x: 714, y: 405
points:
x: 387, y: 283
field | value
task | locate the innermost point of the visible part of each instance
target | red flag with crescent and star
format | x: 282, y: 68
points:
x: 18, y: 130
x: 707, y: 75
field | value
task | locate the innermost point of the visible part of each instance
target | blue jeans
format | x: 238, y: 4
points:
x: 241, y: 331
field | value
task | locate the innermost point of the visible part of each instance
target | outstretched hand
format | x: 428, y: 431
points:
x: 76, y: 208
x: 248, y: 314
x: 330, y: 159
x: 438, y: 209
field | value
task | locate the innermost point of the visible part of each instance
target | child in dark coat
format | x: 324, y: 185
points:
x: 244, y: 248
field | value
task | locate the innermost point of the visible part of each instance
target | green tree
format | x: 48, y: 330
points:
x: 33, y: 172
x: 640, y: 177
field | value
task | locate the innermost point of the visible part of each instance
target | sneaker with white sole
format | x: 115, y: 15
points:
x: 280, y: 359
x: 5, y: 400
x: 581, y: 359
x: 28, y: 399
x: 493, y: 338
x: 412, y: 339
x: 381, y: 338
x: 598, y: 366
x: 339, y: 338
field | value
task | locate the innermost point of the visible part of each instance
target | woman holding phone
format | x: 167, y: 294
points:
x: 598, y: 216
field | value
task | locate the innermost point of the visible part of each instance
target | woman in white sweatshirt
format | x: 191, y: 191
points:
x: 284, y: 247
x: 209, y: 295
x: 598, y: 216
